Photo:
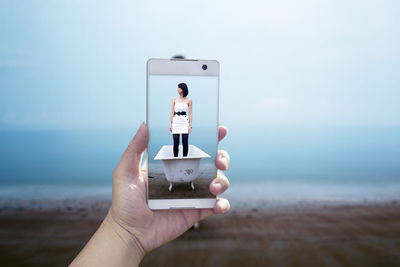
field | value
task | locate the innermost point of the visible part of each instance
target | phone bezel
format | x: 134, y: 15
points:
x: 175, y: 66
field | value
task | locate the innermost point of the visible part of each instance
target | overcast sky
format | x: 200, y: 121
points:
x: 74, y: 64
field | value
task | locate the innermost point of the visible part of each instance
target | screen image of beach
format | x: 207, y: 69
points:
x: 181, y: 163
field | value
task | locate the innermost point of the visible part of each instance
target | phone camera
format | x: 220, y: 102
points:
x: 204, y: 67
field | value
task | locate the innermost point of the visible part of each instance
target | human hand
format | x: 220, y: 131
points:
x: 190, y: 129
x: 148, y: 229
x: 170, y: 128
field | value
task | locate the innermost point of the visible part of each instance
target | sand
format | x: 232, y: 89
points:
x: 33, y: 234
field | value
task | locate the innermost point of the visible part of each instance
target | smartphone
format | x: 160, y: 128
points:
x: 182, y: 105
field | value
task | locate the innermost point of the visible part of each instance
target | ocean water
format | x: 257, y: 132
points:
x: 58, y: 157
x: 275, y: 162
x: 320, y: 155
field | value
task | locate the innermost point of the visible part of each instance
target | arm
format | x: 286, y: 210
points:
x: 172, y: 115
x: 190, y: 113
x: 111, y: 245
x: 172, y: 110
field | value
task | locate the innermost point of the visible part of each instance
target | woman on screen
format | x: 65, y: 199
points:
x: 181, y: 119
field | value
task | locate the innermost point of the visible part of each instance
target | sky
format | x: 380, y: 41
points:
x: 81, y: 64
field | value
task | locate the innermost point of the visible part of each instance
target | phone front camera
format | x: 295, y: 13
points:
x: 204, y: 67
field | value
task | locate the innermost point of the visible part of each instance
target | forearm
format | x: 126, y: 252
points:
x: 111, y: 245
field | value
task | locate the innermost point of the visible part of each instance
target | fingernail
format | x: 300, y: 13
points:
x: 222, y: 158
x: 224, y: 162
x: 142, y: 126
x: 222, y: 205
x: 218, y: 186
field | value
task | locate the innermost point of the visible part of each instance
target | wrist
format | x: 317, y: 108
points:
x: 111, y: 245
x: 132, y: 244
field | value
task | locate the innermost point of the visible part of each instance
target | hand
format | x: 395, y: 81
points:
x: 131, y: 229
x: 129, y: 211
x: 170, y: 128
x: 190, y: 129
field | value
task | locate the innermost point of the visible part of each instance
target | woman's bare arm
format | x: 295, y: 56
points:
x: 190, y: 112
x: 172, y: 110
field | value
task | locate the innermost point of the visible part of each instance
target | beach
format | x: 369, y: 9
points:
x: 34, y: 233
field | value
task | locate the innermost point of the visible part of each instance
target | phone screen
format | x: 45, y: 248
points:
x: 182, y: 117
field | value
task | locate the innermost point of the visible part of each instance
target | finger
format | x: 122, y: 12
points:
x: 221, y: 206
x: 143, y: 166
x: 222, y: 160
x: 219, y: 185
x: 222, y: 131
x: 130, y: 160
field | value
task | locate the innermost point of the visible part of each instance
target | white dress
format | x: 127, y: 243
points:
x: 180, y: 123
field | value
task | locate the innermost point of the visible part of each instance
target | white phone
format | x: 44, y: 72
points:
x: 182, y: 106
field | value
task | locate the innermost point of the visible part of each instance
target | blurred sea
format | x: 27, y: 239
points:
x: 279, y: 163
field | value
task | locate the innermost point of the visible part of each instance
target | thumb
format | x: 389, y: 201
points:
x: 131, y: 158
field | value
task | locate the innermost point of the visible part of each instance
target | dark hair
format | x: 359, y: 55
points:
x: 184, y: 88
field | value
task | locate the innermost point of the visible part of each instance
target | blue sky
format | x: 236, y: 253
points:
x: 81, y: 64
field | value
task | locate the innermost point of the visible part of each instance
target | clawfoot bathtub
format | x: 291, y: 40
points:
x: 181, y: 169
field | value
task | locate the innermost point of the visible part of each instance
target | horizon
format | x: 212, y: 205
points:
x: 302, y: 86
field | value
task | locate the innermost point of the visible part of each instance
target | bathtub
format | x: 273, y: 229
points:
x: 181, y: 169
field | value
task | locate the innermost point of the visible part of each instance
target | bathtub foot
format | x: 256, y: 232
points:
x: 170, y: 187
x: 192, y: 185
